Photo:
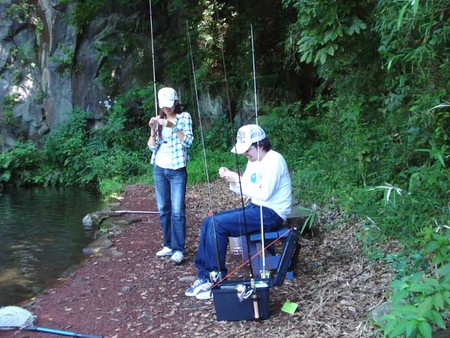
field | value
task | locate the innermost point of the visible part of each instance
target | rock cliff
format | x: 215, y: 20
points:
x: 48, y: 66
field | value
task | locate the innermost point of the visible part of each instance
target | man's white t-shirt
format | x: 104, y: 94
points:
x: 267, y: 183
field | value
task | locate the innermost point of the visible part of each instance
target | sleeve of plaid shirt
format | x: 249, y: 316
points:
x: 180, y: 155
x: 184, y: 123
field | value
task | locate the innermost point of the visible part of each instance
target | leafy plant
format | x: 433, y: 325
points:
x: 64, y: 58
x: 311, y: 218
x: 110, y: 188
x: 24, y: 12
x: 17, y: 165
x: 8, y: 103
x: 85, y: 11
x: 418, y: 302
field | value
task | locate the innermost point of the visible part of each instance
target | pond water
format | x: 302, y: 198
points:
x: 41, y: 236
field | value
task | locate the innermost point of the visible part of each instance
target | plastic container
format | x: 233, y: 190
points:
x: 235, y: 245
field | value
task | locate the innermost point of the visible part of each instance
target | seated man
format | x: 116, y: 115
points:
x: 267, y: 182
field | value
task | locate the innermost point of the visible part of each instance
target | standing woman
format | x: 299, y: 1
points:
x: 170, y: 139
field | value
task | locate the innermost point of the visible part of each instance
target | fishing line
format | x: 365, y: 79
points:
x: 205, y: 162
x: 236, y: 157
x: 253, y: 257
x: 227, y: 91
x: 263, y: 271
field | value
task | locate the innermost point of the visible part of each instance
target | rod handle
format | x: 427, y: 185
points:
x: 255, y: 299
x: 255, y: 305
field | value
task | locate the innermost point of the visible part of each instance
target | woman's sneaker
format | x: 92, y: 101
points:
x: 166, y: 251
x: 177, y: 257
x: 196, y: 287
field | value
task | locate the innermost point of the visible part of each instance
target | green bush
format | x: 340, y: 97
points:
x: 110, y: 187
x: 421, y: 299
x: 18, y: 165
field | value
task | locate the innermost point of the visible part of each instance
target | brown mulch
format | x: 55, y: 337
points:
x: 126, y: 291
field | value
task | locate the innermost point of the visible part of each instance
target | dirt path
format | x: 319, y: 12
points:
x: 126, y: 291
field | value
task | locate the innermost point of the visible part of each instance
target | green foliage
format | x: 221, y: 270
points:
x: 116, y: 151
x: 128, y: 120
x: 64, y: 58
x: 215, y: 133
x: 418, y: 303
x: 380, y: 136
x: 324, y: 29
x: 289, y: 135
x: 412, y: 35
x: 201, y: 170
x: 110, y: 187
x: 65, y: 151
x: 119, y: 164
x: 8, y: 103
x: 311, y: 220
x: 17, y: 165
x: 24, y: 12
x: 85, y: 11
x: 370, y: 126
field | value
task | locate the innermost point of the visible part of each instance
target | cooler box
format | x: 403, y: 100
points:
x: 229, y: 307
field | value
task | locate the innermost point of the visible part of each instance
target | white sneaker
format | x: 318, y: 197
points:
x: 195, y: 287
x: 204, y: 292
x: 177, y: 257
x: 166, y: 251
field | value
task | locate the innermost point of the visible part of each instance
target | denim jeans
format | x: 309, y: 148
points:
x: 170, y: 187
x: 212, y: 248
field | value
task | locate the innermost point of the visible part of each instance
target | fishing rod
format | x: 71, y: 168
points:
x: 14, y: 317
x: 254, y: 75
x: 153, y: 58
x: 135, y: 212
x: 262, y: 273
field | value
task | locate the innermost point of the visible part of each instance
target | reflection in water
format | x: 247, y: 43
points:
x: 41, y: 236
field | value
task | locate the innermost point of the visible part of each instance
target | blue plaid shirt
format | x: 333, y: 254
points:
x: 180, y: 150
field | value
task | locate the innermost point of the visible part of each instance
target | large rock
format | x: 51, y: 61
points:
x: 47, y: 67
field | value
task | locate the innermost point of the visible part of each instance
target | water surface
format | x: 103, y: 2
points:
x: 41, y: 236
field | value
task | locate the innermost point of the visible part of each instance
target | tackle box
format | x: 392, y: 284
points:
x: 228, y: 306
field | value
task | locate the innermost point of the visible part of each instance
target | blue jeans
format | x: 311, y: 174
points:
x: 170, y: 187
x: 212, y: 248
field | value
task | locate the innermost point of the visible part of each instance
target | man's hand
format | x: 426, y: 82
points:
x: 228, y: 175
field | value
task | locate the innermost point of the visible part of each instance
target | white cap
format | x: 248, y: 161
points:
x: 246, y: 136
x: 167, y: 97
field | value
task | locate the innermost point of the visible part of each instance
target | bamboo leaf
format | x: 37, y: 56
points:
x: 415, y: 7
x: 401, y: 14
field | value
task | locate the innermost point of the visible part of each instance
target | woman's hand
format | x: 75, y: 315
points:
x: 153, y: 123
x: 166, y: 123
